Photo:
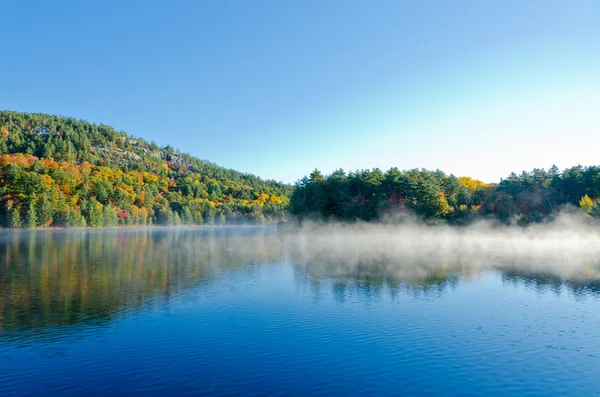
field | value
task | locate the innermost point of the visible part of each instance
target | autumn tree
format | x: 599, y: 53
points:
x: 586, y: 204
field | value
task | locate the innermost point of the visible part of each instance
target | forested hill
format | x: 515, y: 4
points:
x: 435, y: 196
x: 59, y: 171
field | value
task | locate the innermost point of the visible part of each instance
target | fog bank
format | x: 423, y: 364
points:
x: 569, y: 246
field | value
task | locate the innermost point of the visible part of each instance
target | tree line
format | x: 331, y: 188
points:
x: 59, y: 171
x: 434, y: 196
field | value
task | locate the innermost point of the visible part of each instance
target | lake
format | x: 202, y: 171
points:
x: 245, y: 311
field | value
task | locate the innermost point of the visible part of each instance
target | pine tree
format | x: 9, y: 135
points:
x: 199, y: 220
x: 14, y: 218
x: 95, y: 214
x: 187, y: 217
x: 165, y: 216
x: 209, y: 216
x: 45, y: 211
x: 74, y: 218
x: 170, y: 217
x: 110, y: 218
x: 31, y: 220
x: 221, y: 220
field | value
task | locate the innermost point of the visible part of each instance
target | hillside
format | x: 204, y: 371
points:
x: 59, y: 171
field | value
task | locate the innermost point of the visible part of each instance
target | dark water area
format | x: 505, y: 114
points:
x: 239, y: 312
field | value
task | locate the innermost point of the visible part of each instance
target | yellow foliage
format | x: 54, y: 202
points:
x: 586, y: 204
x: 48, y: 181
x: 471, y: 184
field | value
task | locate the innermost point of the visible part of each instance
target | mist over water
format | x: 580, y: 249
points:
x: 328, y: 309
x: 569, y: 247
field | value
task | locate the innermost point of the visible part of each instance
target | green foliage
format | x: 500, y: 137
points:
x: 45, y: 211
x: 95, y: 214
x: 165, y: 216
x: 187, y: 218
x: 31, y: 219
x: 109, y: 216
x: 73, y: 170
x: 372, y: 195
x: 209, y: 216
x: 595, y: 211
x: 69, y: 172
x: 74, y: 218
x: 14, y: 218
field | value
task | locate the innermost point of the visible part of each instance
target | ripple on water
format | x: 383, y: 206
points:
x: 215, y: 322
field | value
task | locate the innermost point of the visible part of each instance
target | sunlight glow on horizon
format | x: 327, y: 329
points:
x: 497, y: 125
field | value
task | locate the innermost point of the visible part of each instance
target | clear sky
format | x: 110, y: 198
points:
x: 278, y: 88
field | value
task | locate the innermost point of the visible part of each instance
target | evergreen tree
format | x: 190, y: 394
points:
x: 198, y: 218
x: 95, y: 214
x: 31, y: 220
x: 110, y: 218
x: 45, y: 211
x: 209, y: 216
x: 14, y: 218
x: 74, y: 218
x: 165, y: 216
x: 187, y: 217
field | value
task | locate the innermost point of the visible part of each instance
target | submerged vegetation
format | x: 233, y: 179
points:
x: 59, y: 171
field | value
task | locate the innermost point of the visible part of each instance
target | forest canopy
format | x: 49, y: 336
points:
x: 434, y: 196
x: 59, y: 171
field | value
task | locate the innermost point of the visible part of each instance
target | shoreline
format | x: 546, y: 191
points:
x: 7, y: 229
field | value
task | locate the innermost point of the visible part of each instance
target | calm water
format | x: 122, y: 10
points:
x: 236, y: 312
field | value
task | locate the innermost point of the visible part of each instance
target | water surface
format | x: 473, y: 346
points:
x: 242, y: 312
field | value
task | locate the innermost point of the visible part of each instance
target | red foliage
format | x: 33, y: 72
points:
x: 363, y: 200
x: 396, y: 198
x: 122, y: 214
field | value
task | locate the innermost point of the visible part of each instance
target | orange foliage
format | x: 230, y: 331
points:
x: 25, y: 160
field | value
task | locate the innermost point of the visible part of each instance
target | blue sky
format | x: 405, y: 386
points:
x: 278, y: 88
